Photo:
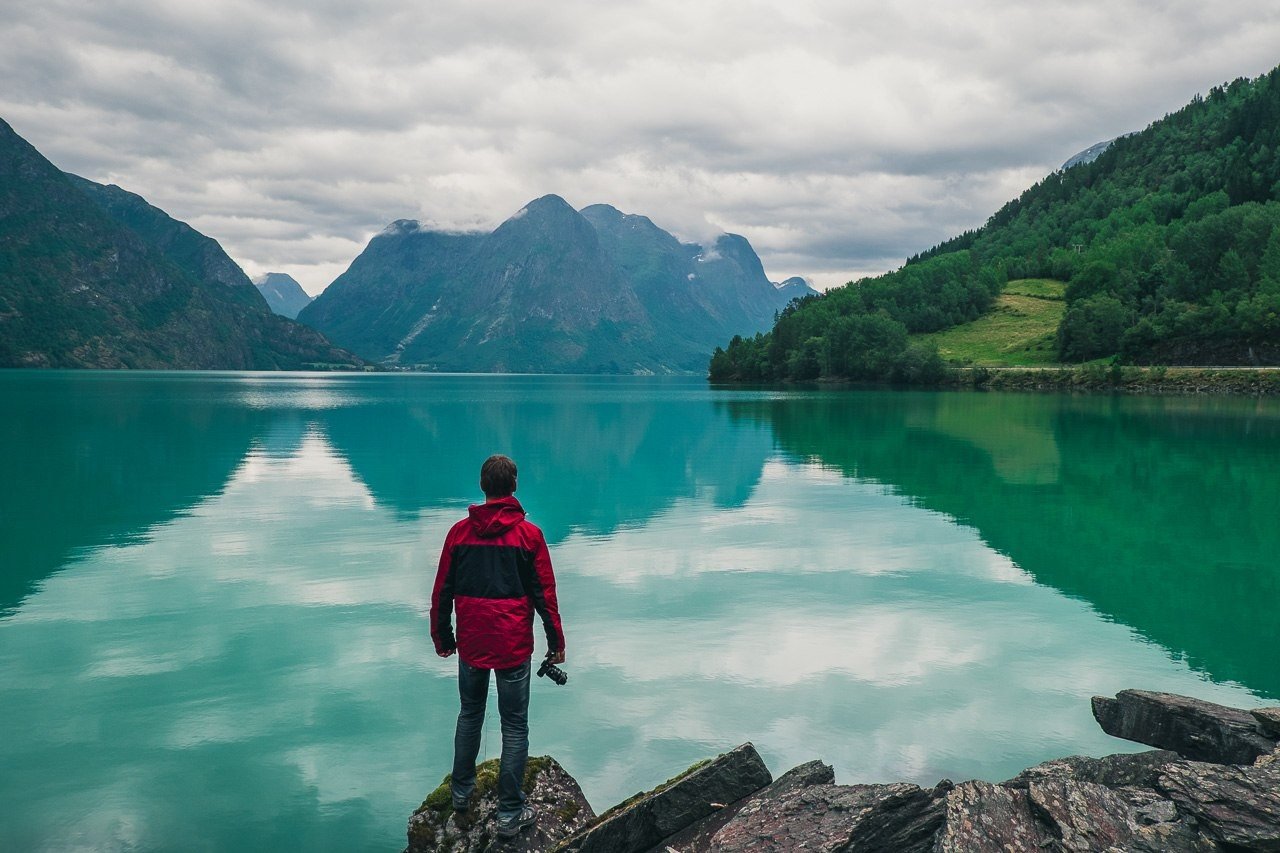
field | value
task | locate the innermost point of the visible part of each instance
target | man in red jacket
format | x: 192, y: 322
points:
x: 496, y: 571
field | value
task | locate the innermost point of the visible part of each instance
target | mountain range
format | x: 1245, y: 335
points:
x: 283, y: 293
x: 551, y: 290
x: 94, y: 276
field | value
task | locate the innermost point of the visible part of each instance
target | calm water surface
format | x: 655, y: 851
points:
x: 214, y: 587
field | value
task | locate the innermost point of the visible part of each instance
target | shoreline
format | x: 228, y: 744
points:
x: 1211, y: 784
x: 1158, y: 380
x: 1124, y: 379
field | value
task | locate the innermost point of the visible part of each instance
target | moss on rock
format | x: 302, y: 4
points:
x: 440, y: 801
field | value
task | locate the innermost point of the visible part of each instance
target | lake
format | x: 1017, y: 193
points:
x: 214, y: 587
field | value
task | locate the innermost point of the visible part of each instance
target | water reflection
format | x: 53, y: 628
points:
x: 595, y: 454
x: 1157, y: 511
x: 238, y: 650
x: 92, y: 459
x: 249, y: 675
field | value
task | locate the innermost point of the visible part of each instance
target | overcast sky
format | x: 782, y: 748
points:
x: 838, y: 137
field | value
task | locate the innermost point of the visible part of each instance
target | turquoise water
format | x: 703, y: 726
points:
x: 214, y: 587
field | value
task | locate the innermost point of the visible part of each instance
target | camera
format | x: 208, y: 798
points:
x: 550, y: 670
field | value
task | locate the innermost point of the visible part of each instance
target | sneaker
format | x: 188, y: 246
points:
x: 510, y: 827
x: 461, y: 806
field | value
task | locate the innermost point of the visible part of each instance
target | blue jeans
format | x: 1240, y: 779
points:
x: 513, y: 707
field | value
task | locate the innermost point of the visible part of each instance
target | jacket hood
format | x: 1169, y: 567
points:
x: 495, y: 518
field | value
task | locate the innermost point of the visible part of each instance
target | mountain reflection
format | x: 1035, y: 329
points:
x: 785, y: 568
x: 595, y: 453
x: 96, y: 458
x: 100, y: 459
x: 1160, y: 512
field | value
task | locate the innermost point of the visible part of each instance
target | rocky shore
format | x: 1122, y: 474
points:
x: 1212, y: 784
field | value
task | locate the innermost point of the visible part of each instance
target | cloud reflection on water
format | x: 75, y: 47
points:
x: 264, y: 653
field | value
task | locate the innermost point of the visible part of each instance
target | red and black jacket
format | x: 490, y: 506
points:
x: 496, y: 570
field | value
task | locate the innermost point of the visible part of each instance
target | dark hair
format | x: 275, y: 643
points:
x: 498, y: 476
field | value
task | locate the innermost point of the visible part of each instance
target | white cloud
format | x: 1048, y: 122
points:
x: 839, y: 138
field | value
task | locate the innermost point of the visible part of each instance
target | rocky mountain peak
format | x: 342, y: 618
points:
x: 551, y: 289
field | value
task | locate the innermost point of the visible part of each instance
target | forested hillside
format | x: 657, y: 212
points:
x: 94, y: 277
x: 1169, y: 243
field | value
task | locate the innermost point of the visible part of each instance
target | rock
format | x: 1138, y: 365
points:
x: 1239, y: 806
x: 1269, y: 719
x: 1113, y: 771
x: 802, y: 776
x: 1202, y: 731
x: 898, y: 817
x: 1084, y: 816
x: 648, y: 818
x: 697, y: 836
x: 982, y: 817
x: 907, y: 822
x: 561, y: 806
x: 1148, y: 802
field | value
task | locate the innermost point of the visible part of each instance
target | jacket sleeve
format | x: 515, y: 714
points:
x: 442, y: 601
x: 543, y: 593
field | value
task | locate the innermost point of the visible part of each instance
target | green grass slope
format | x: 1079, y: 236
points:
x: 1019, y: 331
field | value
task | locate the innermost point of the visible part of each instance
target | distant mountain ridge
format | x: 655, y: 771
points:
x: 93, y: 276
x: 795, y: 288
x: 550, y: 290
x: 283, y: 293
x: 1088, y: 155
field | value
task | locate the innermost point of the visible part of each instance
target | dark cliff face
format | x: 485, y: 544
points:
x: 550, y: 290
x: 80, y: 287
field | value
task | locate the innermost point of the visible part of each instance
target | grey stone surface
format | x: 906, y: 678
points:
x: 1114, y: 771
x: 803, y: 776
x: 697, y: 837
x: 1235, y: 805
x: 640, y: 824
x: 985, y: 818
x: 1202, y: 731
x: 1269, y: 719
x: 906, y: 822
x: 1084, y: 816
x: 827, y: 818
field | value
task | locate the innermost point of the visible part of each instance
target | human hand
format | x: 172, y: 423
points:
x: 447, y: 654
x: 557, y: 657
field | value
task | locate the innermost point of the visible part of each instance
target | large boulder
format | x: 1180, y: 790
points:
x: 644, y: 820
x: 554, y: 794
x: 1195, y: 729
